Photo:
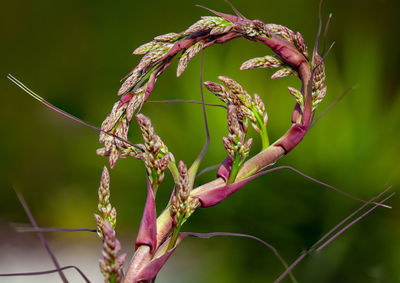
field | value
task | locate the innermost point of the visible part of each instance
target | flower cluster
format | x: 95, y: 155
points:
x: 107, y: 211
x: 286, y: 33
x: 181, y: 207
x: 111, y: 264
x: 156, y: 156
x: 114, y: 130
x: 270, y: 62
x: 158, y: 237
x: 234, y: 144
x: 246, y: 107
x: 318, y: 82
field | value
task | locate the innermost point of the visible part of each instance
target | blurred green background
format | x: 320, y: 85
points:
x: 74, y: 53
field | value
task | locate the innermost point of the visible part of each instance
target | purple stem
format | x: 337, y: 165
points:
x: 58, y: 110
x: 48, y: 104
x: 289, y: 269
x: 329, y: 186
x: 326, y: 33
x: 337, y: 234
x: 229, y: 18
x: 41, y: 237
x: 346, y: 219
x: 53, y: 229
x: 315, y: 50
x: 47, y: 272
x: 214, y: 234
x: 214, y: 196
x: 235, y: 10
x: 210, y: 235
x: 208, y: 169
x: 195, y: 166
x: 218, y: 194
x: 352, y: 223
x: 203, y: 152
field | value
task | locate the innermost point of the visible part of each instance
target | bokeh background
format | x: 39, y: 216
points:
x: 74, y: 53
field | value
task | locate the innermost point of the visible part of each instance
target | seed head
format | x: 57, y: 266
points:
x: 245, y: 149
x: 301, y: 44
x: 220, y: 30
x: 259, y: 104
x: 180, y: 206
x: 111, y: 264
x: 147, y: 47
x: 233, y: 123
x: 169, y: 37
x: 113, y: 157
x: 187, y: 56
x: 259, y: 107
x: 282, y: 31
x: 155, y: 156
x: 284, y: 72
x: 104, y: 206
x: 237, y: 131
x: 207, y: 23
x: 219, y: 91
x: 318, y: 83
x: 131, y: 81
x: 252, y: 29
x: 147, y: 129
x: 111, y: 119
x: 236, y: 90
x: 297, y: 95
x: 153, y: 56
x: 233, y: 86
x: 263, y: 62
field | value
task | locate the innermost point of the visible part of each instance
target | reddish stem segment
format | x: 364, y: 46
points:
x: 291, y: 56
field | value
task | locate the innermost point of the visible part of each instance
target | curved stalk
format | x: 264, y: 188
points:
x: 270, y: 154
